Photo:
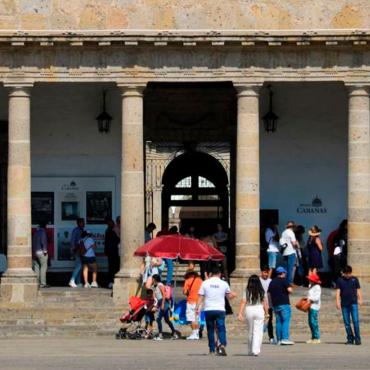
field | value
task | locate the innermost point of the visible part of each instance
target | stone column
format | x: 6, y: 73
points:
x: 247, y: 185
x: 359, y: 181
x: 157, y: 207
x: 19, y: 284
x: 132, y: 192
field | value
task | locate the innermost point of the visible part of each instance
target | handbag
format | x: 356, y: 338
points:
x: 304, y: 304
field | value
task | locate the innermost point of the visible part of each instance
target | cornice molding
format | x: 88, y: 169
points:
x: 186, y: 38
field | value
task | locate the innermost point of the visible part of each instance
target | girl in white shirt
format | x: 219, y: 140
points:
x: 314, y: 295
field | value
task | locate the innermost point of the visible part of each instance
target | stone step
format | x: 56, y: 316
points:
x: 91, y: 312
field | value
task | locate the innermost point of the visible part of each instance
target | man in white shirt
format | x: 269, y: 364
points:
x: 289, y: 244
x: 212, y: 295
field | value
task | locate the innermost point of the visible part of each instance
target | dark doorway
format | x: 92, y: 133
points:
x: 197, y: 183
x: 3, y: 184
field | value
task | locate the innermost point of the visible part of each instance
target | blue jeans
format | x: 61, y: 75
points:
x: 290, y: 263
x: 76, y: 274
x: 272, y: 259
x: 215, y: 319
x: 347, y: 312
x: 169, y: 264
x: 165, y: 313
x: 282, y: 314
x: 313, y: 322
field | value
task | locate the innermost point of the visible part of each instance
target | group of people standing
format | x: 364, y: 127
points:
x: 83, y: 247
x: 301, y: 257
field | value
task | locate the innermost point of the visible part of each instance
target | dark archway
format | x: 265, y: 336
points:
x: 198, y: 180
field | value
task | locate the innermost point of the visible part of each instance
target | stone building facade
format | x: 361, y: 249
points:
x: 305, y: 50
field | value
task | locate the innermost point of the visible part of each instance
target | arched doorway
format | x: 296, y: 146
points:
x: 195, y: 187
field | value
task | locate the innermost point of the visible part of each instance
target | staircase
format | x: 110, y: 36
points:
x: 92, y: 312
x: 63, y: 312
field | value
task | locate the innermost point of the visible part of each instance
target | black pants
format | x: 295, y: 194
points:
x: 270, y: 327
x: 113, y: 267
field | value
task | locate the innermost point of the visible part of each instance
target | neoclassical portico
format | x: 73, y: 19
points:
x: 234, y: 64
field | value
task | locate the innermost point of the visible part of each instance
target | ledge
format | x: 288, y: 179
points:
x: 192, y: 38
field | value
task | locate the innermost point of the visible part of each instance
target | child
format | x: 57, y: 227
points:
x: 348, y: 298
x: 314, y: 295
x: 149, y: 315
x: 191, y: 289
x: 163, y: 308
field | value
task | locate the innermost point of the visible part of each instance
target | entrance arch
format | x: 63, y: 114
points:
x: 198, y: 182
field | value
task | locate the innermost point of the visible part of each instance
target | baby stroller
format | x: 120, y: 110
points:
x: 132, y: 319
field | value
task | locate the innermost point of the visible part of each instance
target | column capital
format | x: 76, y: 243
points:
x: 248, y: 89
x: 131, y: 90
x: 19, y: 89
x: 357, y: 89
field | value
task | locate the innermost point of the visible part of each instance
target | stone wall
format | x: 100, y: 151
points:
x: 183, y: 14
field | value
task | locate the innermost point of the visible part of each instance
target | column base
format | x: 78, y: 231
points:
x: 19, y: 286
x: 125, y: 286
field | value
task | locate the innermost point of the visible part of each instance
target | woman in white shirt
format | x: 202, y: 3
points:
x: 254, y: 307
x: 314, y: 295
x: 272, y: 240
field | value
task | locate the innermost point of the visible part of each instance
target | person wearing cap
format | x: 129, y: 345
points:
x: 279, y: 290
x: 314, y: 296
x: 88, y: 259
x: 289, y: 245
x: 314, y: 248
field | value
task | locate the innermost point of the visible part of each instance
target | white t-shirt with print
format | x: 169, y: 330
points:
x: 214, y: 291
x: 89, y: 242
x: 273, y: 246
x: 288, y: 237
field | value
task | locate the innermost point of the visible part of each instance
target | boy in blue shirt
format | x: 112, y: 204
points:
x: 348, y: 298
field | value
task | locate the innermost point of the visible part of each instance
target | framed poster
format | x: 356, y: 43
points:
x: 98, y: 206
x: 64, y: 244
x: 70, y: 211
x: 42, y: 207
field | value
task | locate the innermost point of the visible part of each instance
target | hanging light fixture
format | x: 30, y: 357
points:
x: 270, y: 118
x: 104, y: 119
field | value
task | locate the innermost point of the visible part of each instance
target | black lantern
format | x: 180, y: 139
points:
x: 104, y: 118
x: 270, y: 118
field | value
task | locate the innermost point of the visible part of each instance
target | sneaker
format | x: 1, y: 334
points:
x: 158, y: 337
x: 175, y: 336
x: 287, y: 342
x: 221, y: 351
x: 313, y: 341
x: 278, y: 343
x: 193, y: 337
x: 94, y: 284
x: 72, y: 284
x: 87, y: 285
x: 349, y: 342
x: 272, y: 340
x: 358, y: 343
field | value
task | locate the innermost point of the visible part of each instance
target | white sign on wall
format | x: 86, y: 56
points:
x: 61, y: 200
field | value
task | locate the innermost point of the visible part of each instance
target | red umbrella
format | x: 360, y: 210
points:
x: 178, y: 246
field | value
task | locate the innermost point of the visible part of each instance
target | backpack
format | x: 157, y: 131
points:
x: 167, y: 292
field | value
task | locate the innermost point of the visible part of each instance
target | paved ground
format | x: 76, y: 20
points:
x: 106, y: 353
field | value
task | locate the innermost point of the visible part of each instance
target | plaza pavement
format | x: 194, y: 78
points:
x: 108, y: 353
